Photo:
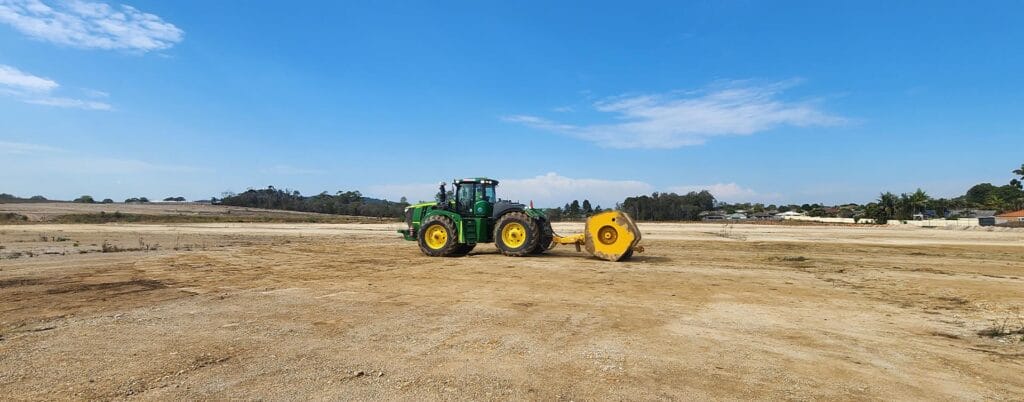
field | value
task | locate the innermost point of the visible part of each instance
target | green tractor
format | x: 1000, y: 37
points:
x: 454, y: 225
x: 473, y: 214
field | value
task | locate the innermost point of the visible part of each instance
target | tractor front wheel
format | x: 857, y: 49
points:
x: 437, y: 237
x: 516, y: 234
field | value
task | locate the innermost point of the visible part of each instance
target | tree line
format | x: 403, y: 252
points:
x: 572, y: 211
x: 341, y: 203
x: 654, y: 207
x: 889, y: 206
x: 983, y: 196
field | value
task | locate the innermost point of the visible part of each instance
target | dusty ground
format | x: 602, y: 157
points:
x: 47, y: 211
x: 290, y: 311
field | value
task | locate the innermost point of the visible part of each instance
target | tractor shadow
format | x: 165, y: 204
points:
x: 653, y: 259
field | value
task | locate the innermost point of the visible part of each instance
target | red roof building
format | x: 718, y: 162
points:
x: 1015, y: 216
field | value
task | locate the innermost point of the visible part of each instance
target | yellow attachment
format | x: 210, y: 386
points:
x: 574, y: 239
x: 436, y: 236
x: 610, y: 235
x: 513, y: 234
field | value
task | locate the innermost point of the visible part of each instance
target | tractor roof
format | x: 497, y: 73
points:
x: 482, y: 180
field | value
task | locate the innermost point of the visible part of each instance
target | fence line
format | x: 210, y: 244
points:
x: 928, y: 223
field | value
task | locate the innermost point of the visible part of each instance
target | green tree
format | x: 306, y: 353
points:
x: 1017, y: 182
x: 886, y: 208
x: 553, y: 214
x: 918, y: 201
x: 994, y: 201
x: 668, y: 206
x: 85, y: 199
x: 575, y: 212
x: 979, y: 194
x: 587, y: 208
x: 342, y: 202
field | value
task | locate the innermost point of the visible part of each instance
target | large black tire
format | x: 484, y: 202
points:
x: 546, y: 235
x: 450, y: 243
x: 530, y: 234
x: 464, y: 249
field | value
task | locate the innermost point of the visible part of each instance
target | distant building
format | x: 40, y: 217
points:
x: 1015, y: 217
x: 736, y: 216
x: 789, y: 213
x: 971, y: 213
x: 711, y: 216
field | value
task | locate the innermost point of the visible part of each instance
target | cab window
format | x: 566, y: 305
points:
x: 466, y: 193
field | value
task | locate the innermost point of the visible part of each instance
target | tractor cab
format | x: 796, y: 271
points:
x: 475, y: 197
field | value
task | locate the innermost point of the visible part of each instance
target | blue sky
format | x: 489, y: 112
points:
x: 775, y: 102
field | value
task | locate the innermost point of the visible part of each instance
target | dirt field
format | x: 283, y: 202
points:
x: 292, y: 311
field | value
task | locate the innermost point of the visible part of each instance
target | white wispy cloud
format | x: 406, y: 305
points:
x: 553, y: 189
x: 70, y: 103
x: 37, y: 90
x: 44, y: 157
x: 16, y: 80
x: 412, y: 191
x: 89, y: 164
x: 21, y: 148
x: 675, y: 120
x: 94, y: 93
x: 289, y: 170
x: 549, y: 189
x: 90, y: 25
x: 729, y: 192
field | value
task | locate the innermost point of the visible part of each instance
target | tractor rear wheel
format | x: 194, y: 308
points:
x: 546, y: 236
x: 437, y: 237
x: 516, y: 234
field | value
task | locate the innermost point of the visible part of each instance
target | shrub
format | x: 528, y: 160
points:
x: 11, y: 217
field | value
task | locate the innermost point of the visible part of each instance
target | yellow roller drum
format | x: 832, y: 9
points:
x: 611, y: 235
